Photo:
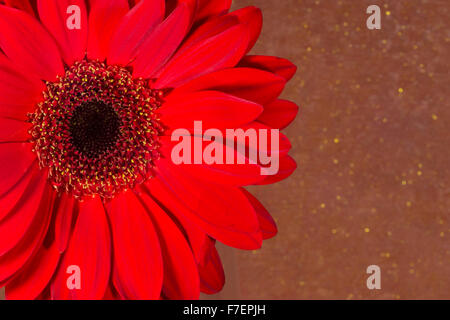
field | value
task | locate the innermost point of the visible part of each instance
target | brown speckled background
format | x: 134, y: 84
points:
x: 372, y: 143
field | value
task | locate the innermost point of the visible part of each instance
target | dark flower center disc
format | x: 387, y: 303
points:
x: 94, y: 128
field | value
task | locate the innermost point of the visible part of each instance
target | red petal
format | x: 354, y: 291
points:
x: 67, y: 207
x: 207, y: 8
x: 54, y: 16
x: 104, y: 18
x: 23, y: 5
x: 28, y: 44
x: 252, y: 17
x: 35, y: 276
x: 159, y: 46
x: 181, y: 279
x: 219, y: 173
x: 138, y: 266
x: 266, y: 222
x: 199, y: 241
x: 262, y: 131
x: 111, y: 293
x: 15, y: 160
x: 215, y: 109
x: 137, y: 24
x: 17, y: 222
x: 284, y: 145
x: 19, y: 91
x: 210, y: 28
x: 89, y: 249
x: 222, y: 212
x: 246, y: 83
x: 12, y: 130
x: 287, y: 167
x: 279, y: 66
x: 216, y: 53
x: 279, y: 114
x: 19, y: 191
x: 28, y: 246
x: 211, y: 273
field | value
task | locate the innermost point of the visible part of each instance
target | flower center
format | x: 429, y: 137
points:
x: 96, y: 130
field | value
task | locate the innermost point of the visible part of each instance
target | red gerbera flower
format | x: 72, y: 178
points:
x: 87, y: 181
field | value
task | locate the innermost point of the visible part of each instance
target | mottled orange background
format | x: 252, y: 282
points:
x: 372, y: 144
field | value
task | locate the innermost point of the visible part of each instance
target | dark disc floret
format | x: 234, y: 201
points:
x: 96, y: 130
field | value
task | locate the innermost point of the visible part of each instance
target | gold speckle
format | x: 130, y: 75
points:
x: 419, y: 173
x: 388, y: 13
x: 336, y: 140
x: 408, y: 203
x: 323, y: 205
x: 334, y: 231
x: 366, y: 230
x: 400, y: 90
x: 434, y: 117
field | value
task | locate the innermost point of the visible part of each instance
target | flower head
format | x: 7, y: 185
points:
x: 91, y: 94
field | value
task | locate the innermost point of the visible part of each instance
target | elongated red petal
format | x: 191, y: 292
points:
x: 138, y: 266
x: 279, y: 66
x: 212, y: 274
x: 28, y: 44
x: 252, y: 17
x: 12, y: 130
x: 66, y: 208
x: 222, y: 212
x: 35, y: 276
x: 104, y: 18
x: 181, y: 279
x: 15, y: 160
x: 90, y: 250
x: 15, y: 259
x: 215, y: 109
x: 266, y: 222
x: 216, y: 53
x: 135, y: 26
x: 199, y: 241
x: 55, y: 16
x: 279, y: 114
x: 21, y: 5
x: 18, y: 221
x: 207, y: 8
x: 251, y: 84
x: 11, y: 198
x: 210, y: 28
x: 263, y: 143
x: 287, y: 167
x: 218, y: 172
x: 159, y: 46
x: 19, y: 91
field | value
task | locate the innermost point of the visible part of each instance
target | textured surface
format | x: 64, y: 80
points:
x: 372, y: 143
